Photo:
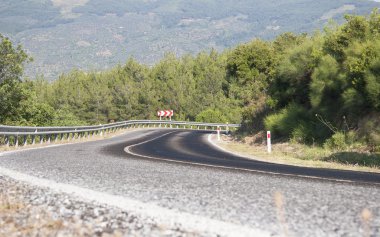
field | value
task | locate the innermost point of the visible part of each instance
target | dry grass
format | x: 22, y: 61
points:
x: 279, y: 201
x: 291, y: 154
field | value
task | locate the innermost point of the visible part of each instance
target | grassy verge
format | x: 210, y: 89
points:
x: 303, y: 155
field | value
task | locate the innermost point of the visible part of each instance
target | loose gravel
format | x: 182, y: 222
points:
x: 27, y: 210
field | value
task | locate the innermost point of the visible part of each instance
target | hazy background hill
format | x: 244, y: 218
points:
x: 97, y: 34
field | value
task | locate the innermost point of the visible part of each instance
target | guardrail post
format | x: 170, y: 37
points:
x: 25, y: 140
x: 41, y: 139
x: 7, y: 141
x: 48, y: 138
x: 16, y: 141
x: 34, y: 137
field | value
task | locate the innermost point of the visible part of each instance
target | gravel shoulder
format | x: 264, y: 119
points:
x: 27, y: 210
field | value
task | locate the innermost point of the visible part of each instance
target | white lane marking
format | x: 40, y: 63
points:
x: 277, y: 173
x: 143, y: 142
x: 127, y: 150
x: 167, y: 217
x: 209, y: 139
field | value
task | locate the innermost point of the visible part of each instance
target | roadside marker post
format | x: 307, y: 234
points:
x: 269, y: 144
x: 159, y: 114
x: 218, y: 131
x: 165, y: 113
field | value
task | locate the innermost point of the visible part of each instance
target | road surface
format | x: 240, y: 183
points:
x: 180, y: 170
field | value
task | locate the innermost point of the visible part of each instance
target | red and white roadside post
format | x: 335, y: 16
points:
x: 269, y: 144
x: 218, y: 132
x: 171, y: 112
x: 166, y: 114
x: 159, y: 114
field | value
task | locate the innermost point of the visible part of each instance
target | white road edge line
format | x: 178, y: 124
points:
x: 276, y: 173
x: 169, y: 218
x: 128, y: 150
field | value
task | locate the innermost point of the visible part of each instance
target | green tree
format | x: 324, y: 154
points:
x: 12, y: 61
x: 294, y: 74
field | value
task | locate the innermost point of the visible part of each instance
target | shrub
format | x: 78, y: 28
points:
x: 302, y: 133
x: 211, y: 116
x: 342, y: 141
x: 289, y: 122
x: 336, y: 142
x: 369, y: 131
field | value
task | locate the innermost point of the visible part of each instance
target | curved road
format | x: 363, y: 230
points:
x: 138, y: 165
x: 191, y: 147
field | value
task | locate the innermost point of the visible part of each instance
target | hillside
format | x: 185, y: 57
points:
x: 95, y: 34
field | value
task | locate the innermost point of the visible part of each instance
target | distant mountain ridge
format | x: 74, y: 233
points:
x: 62, y: 35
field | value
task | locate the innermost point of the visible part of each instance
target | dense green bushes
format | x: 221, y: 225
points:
x: 334, y: 75
x: 323, y: 88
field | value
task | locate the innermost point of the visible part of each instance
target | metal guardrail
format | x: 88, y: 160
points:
x: 15, y: 135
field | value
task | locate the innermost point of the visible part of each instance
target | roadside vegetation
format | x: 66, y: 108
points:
x: 320, y: 90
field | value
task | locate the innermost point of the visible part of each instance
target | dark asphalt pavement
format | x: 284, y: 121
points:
x: 193, y: 148
x: 312, y: 206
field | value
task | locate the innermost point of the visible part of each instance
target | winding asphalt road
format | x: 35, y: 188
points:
x: 139, y: 165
